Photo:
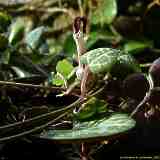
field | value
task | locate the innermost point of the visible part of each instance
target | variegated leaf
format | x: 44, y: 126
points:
x: 101, y: 60
x: 116, y: 124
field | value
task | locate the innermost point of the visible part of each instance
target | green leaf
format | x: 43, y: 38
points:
x: 105, y: 12
x: 34, y: 38
x: 64, y: 67
x: 17, y: 31
x: 69, y: 45
x: 5, y: 20
x: 91, y: 109
x: 57, y: 80
x: 134, y: 47
x: 105, y: 128
x: 101, y: 106
x: 100, y: 60
x: 108, y: 60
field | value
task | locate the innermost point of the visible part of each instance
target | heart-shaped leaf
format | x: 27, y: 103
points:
x: 64, y: 69
x: 100, y: 60
x: 105, y: 128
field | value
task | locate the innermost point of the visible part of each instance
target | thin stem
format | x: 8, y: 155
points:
x: 84, y: 80
x: 8, y: 83
x: 79, y: 40
x: 8, y: 138
x: 144, y: 101
x: 150, y: 80
x: 71, y: 87
x: 36, y: 123
x: 64, y: 80
x: 97, y: 92
x: 115, y: 33
x: 84, y: 154
x: 80, y: 8
x: 54, y: 10
x: 81, y: 49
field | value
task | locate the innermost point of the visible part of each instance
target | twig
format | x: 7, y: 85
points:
x: 96, y: 92
x: 30, y: 125
x: 144, y: 101
x: 8, y: 83
x: 56, y: 9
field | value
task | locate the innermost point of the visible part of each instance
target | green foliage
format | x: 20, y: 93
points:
x: 16, y: 31
x: 39, y: 42
x: 100, y: 60
x: 33, y: 39
x: 105, y: 12
x: 101, y: 36
x: 64, y: 69
x: 3, y: 42
x: 91, y: 109
x: 5, y: 20
x: 106, y: 60
x: 92, y: 130
x: 135, y: 47
x: 69, y: 46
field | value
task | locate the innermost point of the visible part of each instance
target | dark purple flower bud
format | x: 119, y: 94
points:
x: 77, y: 24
